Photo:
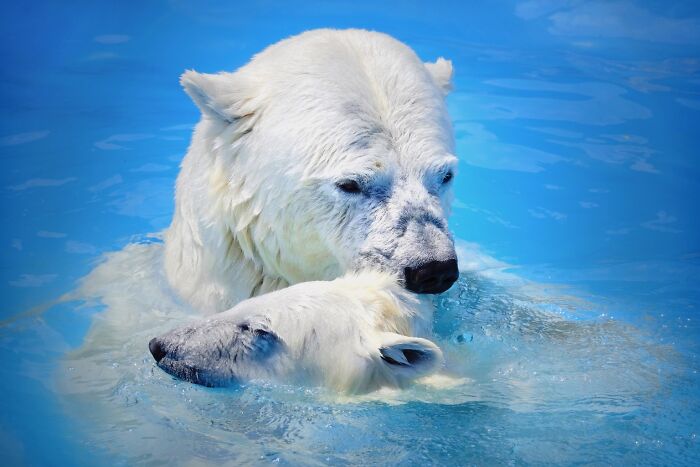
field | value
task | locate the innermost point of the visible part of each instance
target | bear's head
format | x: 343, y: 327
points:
x: 329, y: 152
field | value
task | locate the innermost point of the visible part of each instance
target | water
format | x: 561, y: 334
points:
x: 571, y: 337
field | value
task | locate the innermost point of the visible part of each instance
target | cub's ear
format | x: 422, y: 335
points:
x: 441, y: 71
x: 214, y: 94
x: 409, y: 357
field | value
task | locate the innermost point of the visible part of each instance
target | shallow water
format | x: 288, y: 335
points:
x: 571, y: 337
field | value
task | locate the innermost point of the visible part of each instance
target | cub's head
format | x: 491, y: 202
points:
x: 329, y: 152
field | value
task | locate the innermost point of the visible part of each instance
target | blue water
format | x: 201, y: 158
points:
x: 573, y: 335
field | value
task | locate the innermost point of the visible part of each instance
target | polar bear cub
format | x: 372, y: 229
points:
x: 350, y: 334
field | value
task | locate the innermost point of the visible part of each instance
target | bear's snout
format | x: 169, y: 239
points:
x: 432, y: 277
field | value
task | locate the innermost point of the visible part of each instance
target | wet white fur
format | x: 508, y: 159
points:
x: 258, y: 211
x: 333, y: 333
x: 257, y: 207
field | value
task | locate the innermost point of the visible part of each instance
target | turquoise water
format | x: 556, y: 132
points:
x: 571, y: 337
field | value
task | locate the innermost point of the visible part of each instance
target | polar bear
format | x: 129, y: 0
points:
x: 318, y: 182
x: 352, y: 334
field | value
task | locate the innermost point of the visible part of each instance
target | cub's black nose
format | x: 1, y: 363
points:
x: 156, y: 349
x: 432, y: 277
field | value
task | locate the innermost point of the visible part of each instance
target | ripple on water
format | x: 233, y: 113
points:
x: 532, y: 375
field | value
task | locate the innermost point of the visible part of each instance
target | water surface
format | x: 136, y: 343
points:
x: 571, y: 337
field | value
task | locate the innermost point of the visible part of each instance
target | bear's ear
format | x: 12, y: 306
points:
x: 441, y: 71
x: 214, y: 94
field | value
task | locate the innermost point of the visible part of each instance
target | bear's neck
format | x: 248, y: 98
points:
x: 204, y: 261
x: 215, y: 277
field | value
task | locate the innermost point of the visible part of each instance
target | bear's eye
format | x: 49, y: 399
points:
x: 448, y: 176
x: 349, y: 186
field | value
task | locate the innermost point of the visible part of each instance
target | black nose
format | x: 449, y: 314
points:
x: 156, y: 349
x: 432, y: 277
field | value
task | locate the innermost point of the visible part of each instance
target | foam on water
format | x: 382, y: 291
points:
x: 533, y: 374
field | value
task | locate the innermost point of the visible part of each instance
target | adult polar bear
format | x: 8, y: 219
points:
x: 329, y: 155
